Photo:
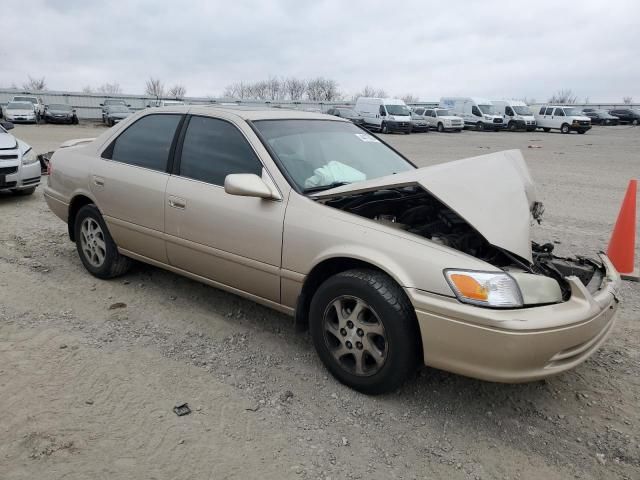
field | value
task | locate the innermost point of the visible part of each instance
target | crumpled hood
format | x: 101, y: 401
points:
x: 7, y: 141
x: 494, y: 193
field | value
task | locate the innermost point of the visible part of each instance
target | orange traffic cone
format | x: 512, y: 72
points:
x: 623, y: 240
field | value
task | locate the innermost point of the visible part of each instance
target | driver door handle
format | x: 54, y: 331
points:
x: 177, y: 202
x: 99, y: 181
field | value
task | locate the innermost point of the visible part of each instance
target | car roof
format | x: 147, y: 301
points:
x: 248, y: 112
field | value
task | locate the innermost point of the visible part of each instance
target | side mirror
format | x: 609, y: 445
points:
x: 128, y: 104
x: 6, y: 125
x: 383, y: 114
x: 73, y: 110
x: 247, y: 185
x: 102, y: 104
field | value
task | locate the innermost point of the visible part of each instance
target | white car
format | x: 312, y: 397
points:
x: 37, y: 103
x: 441, y: 119
x: 565, y: 119
x: 17, y: 112
x: 19, y: 165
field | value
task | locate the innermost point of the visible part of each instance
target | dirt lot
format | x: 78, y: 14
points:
x: 87, y: 391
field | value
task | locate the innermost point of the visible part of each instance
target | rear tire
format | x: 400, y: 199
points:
x: 375, y: 350
x: 565, y: 128
x: 440, y: 127
x: 96, y: 248
x: 582, y: 132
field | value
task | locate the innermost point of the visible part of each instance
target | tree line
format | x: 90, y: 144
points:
x: 318, y: 89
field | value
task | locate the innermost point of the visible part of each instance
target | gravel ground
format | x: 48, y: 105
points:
x: 90, y: 370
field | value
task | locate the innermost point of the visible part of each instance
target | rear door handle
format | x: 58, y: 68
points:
x: 99, y: 181
x: 177, y: 202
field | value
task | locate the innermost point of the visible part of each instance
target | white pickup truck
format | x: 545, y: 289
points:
x: 38, y: 106
x: 558, y: 117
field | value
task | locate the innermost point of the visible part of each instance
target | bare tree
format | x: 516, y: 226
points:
x: 275, y: 89
x: 564, y: 96
x: 177, y: 91
x: 258, y: 90
x: 87, y: 89
x: 409, y: 98
x: 627, y: 100
x: 35, y: 84
x: 369, y: 91
x: 294, y: 88
x: 239, y: 90
x: 110, y: 88
x: 154, y: 87
x: 322, y: 89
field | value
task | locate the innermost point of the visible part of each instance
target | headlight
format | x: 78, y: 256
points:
x: 29, y: 157
x: 487, y: 117
x: 487, y: 289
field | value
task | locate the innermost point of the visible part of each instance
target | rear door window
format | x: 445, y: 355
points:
x: 213, y: 149
x: 559, y: 112
x: 549, y: 111
x: 146, y: 143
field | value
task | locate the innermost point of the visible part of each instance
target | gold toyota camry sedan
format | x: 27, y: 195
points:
x: 387, y: 264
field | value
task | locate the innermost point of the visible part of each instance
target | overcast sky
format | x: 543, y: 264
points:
x: 484, y: 48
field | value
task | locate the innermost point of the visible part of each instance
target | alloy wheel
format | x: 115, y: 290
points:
x: 355, y: 336
x: 93, y: 242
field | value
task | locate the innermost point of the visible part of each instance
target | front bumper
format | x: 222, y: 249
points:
x: 56, y: 119
x: 394, y: 126
x: 14, y: 176
x: 518, y: 345
x: 523, y: 124
x: 21, y: 119
x: 419, y: 128
x: 580, y: 126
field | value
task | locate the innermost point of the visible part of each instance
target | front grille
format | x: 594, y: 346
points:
x: 497, y: 120
x: 8, y: 170
x: 8, y: 157
x: 584, y: 122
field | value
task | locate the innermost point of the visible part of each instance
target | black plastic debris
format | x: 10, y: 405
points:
x: 181, y: 410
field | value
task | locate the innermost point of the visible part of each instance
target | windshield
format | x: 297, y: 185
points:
x: 25, y: 99
x: 114, y: 102
x: 487, y: 109
x: 317, y: 155
x: 348, y: 112
x: 572, y: 111
x: 521, y: 110
x: 60, y: 106
x: 442, y: 113
x: 19, y: 106
x: 118, y: 109
x: 397, y: 110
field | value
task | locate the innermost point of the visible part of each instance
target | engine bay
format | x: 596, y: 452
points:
x: 415, y: 210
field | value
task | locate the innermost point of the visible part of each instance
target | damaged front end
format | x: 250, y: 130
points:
x: 453, y: 205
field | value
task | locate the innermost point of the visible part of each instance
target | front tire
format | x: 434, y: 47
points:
x: 440, y: 127
x: 512, y: 126
x: 365, y: 331
x: 97, y: 250
x: 582, y: 132
x: 634, y: 122
x: 479, y: 126
x: 383, y: 128
x: 565, y: 128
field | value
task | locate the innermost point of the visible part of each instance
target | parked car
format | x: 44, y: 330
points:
x: 626, y: 115
x: 386, y: 263
x: 116, y: 113
x: 347, y: 113
x: 441, y: 119
x: 418, y: 123
x: 477, y: 113
x: 110, y: 102
x: 60, y: 113
x: 600, y: 117
x: 386, y: 115
x: 38, y: 105
x: 19, y: 165
x: 517, y: 114
x: 565, y: 119
x: 20, y: 112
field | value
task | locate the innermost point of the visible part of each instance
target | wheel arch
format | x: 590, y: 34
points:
x: 321, y: 272
x: 77, y: 202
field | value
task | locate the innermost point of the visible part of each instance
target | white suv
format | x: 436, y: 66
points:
x: 565, y: 119
x: 441, y: 119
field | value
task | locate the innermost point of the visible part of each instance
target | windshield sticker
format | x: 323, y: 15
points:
x: 366, y: 138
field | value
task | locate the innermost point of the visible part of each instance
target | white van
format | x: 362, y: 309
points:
x: 565, y: 119
x: 478, y: 113
x: 517, y: 115
x: 384, y: 114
